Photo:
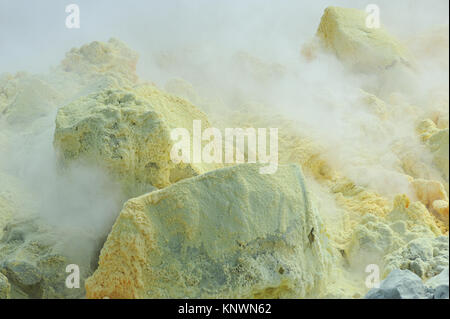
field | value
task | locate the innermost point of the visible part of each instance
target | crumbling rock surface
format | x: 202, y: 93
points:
x: 128, y: 132
x: 33, y: 257
x: 375, y: 237
x: 426, y: 257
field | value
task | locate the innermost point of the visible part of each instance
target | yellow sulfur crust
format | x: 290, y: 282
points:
x: 230, y: 233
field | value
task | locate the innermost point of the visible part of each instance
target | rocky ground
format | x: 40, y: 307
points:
x: 86, y: 177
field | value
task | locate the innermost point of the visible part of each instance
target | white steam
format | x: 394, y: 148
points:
x: 200, y: 40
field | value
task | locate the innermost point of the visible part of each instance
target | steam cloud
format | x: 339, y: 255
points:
x: 201, y: 38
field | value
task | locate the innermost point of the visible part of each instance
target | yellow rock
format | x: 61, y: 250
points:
x: 25, y: 98
x: 426, y: 129
x: 229, y: 233
x: 29, y: 98
x: 441, y: 207
x: 352, y: 201
x: 375, y: 237
x: 127, y: 131
x: 371, y: 240
x: 433, y: 195
x: 426, y: 257
x: 429, y: 191
x: 415, y: 215
x: 98, y: 59
x: 344, y: 31
x: 442, y: 121
x: 439, y: 146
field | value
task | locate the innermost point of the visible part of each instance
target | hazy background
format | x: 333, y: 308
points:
x: 33, y: 35
x: 202, y: 36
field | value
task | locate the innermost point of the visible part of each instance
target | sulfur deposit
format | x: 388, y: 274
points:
x: 128, y: 132
x: 366, y: 48
x: 87, y: 176
x: 230, y: 233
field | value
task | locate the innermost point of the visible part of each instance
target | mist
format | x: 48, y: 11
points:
x: 201, y: 40
x: 33, y: 35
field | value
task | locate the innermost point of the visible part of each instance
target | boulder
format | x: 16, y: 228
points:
x: 29, y: 98
x: 441, y: 292
x: 26, y: 98
x: 229, y: 233
x: 440, y: 285
x: 438, y: 280
x: 34, y: 257
x: 403, y: 284
x: 128, y: 132
x: 434, y: 196
x: 99, y: 59
x: 344, y: 32
x: 400, y: 284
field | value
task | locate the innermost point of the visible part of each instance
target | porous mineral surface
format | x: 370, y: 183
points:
x: 229, y: 233
x: 128, y: 132
x: 334, y: 207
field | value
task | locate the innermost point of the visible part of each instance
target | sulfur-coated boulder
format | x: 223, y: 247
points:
x: 345, y: 32
x: 128, y: 132
x: 229, y: 233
